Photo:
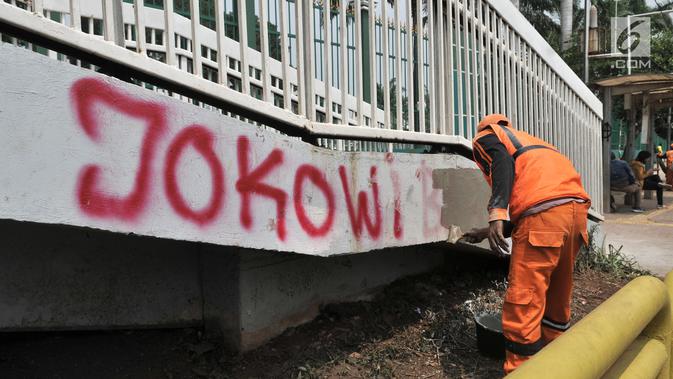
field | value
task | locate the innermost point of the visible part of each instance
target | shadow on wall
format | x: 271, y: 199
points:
x: 58, y: 277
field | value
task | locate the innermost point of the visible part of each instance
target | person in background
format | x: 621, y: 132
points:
x: 536, y: 197
x: 648, y: 179
x: 668, y: 156
x: 622, y: 179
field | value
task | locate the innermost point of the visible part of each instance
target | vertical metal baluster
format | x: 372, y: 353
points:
x: 170, y: 35
x: 196, y: 42
x: 219, y: 28
x: 359, y: 76
x: 410, y: 68
x: 519, y: 78
x: 545, y: 103
x: 398, y: 66
x: 501, y: 68
x: 243, y: 45
x: 470, y: 89
x: 264, y: 48
x: 474, y: 111
x: 508, y: 68
x: 489, y: 58
x: 557, y: 124
x: 447, y: 91
x: 386, y: 63
x: 284, y: 56
x: 139, y: 12
x: 524, y: 68
x: 420, y: 63
x: 530, y: 94
x: 301, y: 87
x: 568, y: 124
x: 309, y: 73
x: 482, y: 77
x: 75, y: 15
x: 552, y: 108
x: 438, y: 127
x: 343, y: 73
x: 537, y: 95
x: 108, y: 23
x: 372, y: 61
x: 327, y: 64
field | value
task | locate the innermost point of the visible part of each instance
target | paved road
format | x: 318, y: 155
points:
x: 647, y: 237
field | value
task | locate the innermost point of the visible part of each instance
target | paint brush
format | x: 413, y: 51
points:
x: 455, y: 234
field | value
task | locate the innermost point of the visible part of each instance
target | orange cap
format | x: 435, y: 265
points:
x: 492, y: 119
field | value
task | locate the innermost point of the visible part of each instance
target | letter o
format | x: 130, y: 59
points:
x: 311, y: 173
x: 202, y: 139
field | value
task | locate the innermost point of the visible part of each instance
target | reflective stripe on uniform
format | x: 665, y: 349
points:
x: 526, y: 349
x: 555, y: 324
x: 531, y: 147
x: 515, y: 141
x: 518, y: 146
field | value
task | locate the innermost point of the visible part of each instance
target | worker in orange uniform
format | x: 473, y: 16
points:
x: 538, y: 199
x: 669, y: 165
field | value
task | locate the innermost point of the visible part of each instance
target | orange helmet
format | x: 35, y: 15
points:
x: 492, y: 119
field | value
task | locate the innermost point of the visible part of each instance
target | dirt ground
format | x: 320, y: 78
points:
x: 417, y: 327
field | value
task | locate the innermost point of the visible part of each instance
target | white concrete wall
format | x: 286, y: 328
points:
x: 87, y: 150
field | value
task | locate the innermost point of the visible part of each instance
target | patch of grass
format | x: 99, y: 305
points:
x: 613, y: 262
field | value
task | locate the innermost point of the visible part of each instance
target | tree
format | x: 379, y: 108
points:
x: 541, y: 14
x: 566, y: 23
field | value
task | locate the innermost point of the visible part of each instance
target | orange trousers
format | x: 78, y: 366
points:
x: 536, y: 309
x: 669, y: 176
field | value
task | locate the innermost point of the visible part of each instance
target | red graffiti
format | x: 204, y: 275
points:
x: 202, y: 139
x: 313, y: 174
x: 249, y: 183
x: 362, y: 216
x: 432, y: 202
x: 254, y: 177
x: 92, y: 199
x: 397, y: 215
x: 397, y: 212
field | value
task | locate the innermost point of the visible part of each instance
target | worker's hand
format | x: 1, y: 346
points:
x: 475, y: 235
x: 496, y: 237
x: 650, y: 172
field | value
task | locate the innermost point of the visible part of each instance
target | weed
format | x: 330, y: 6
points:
x: 485, y: 300
x: 613, y: 262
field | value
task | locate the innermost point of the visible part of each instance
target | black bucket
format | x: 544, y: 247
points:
x: 490, y: 340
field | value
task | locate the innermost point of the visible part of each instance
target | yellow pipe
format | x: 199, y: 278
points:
x: 645, y: 358
x: 669, y: 284
x: 660, y: 329
x: 590, y: 347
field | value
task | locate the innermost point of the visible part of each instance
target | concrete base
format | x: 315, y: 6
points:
x: 64, y: 278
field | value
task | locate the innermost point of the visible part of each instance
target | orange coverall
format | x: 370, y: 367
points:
x: 669, y: 166
x: 539, y: 189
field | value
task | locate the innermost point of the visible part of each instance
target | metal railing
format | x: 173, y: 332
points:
x: 427, y: 79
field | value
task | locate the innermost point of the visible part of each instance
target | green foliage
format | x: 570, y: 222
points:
x: 542, y: 15
x: 613, y: 261
x: 662, y: 46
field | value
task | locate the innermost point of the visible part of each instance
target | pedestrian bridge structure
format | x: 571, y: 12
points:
x: 216, y: 138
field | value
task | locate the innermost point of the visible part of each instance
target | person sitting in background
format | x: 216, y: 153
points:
x: 648, y: 179
x: 622, y: 179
